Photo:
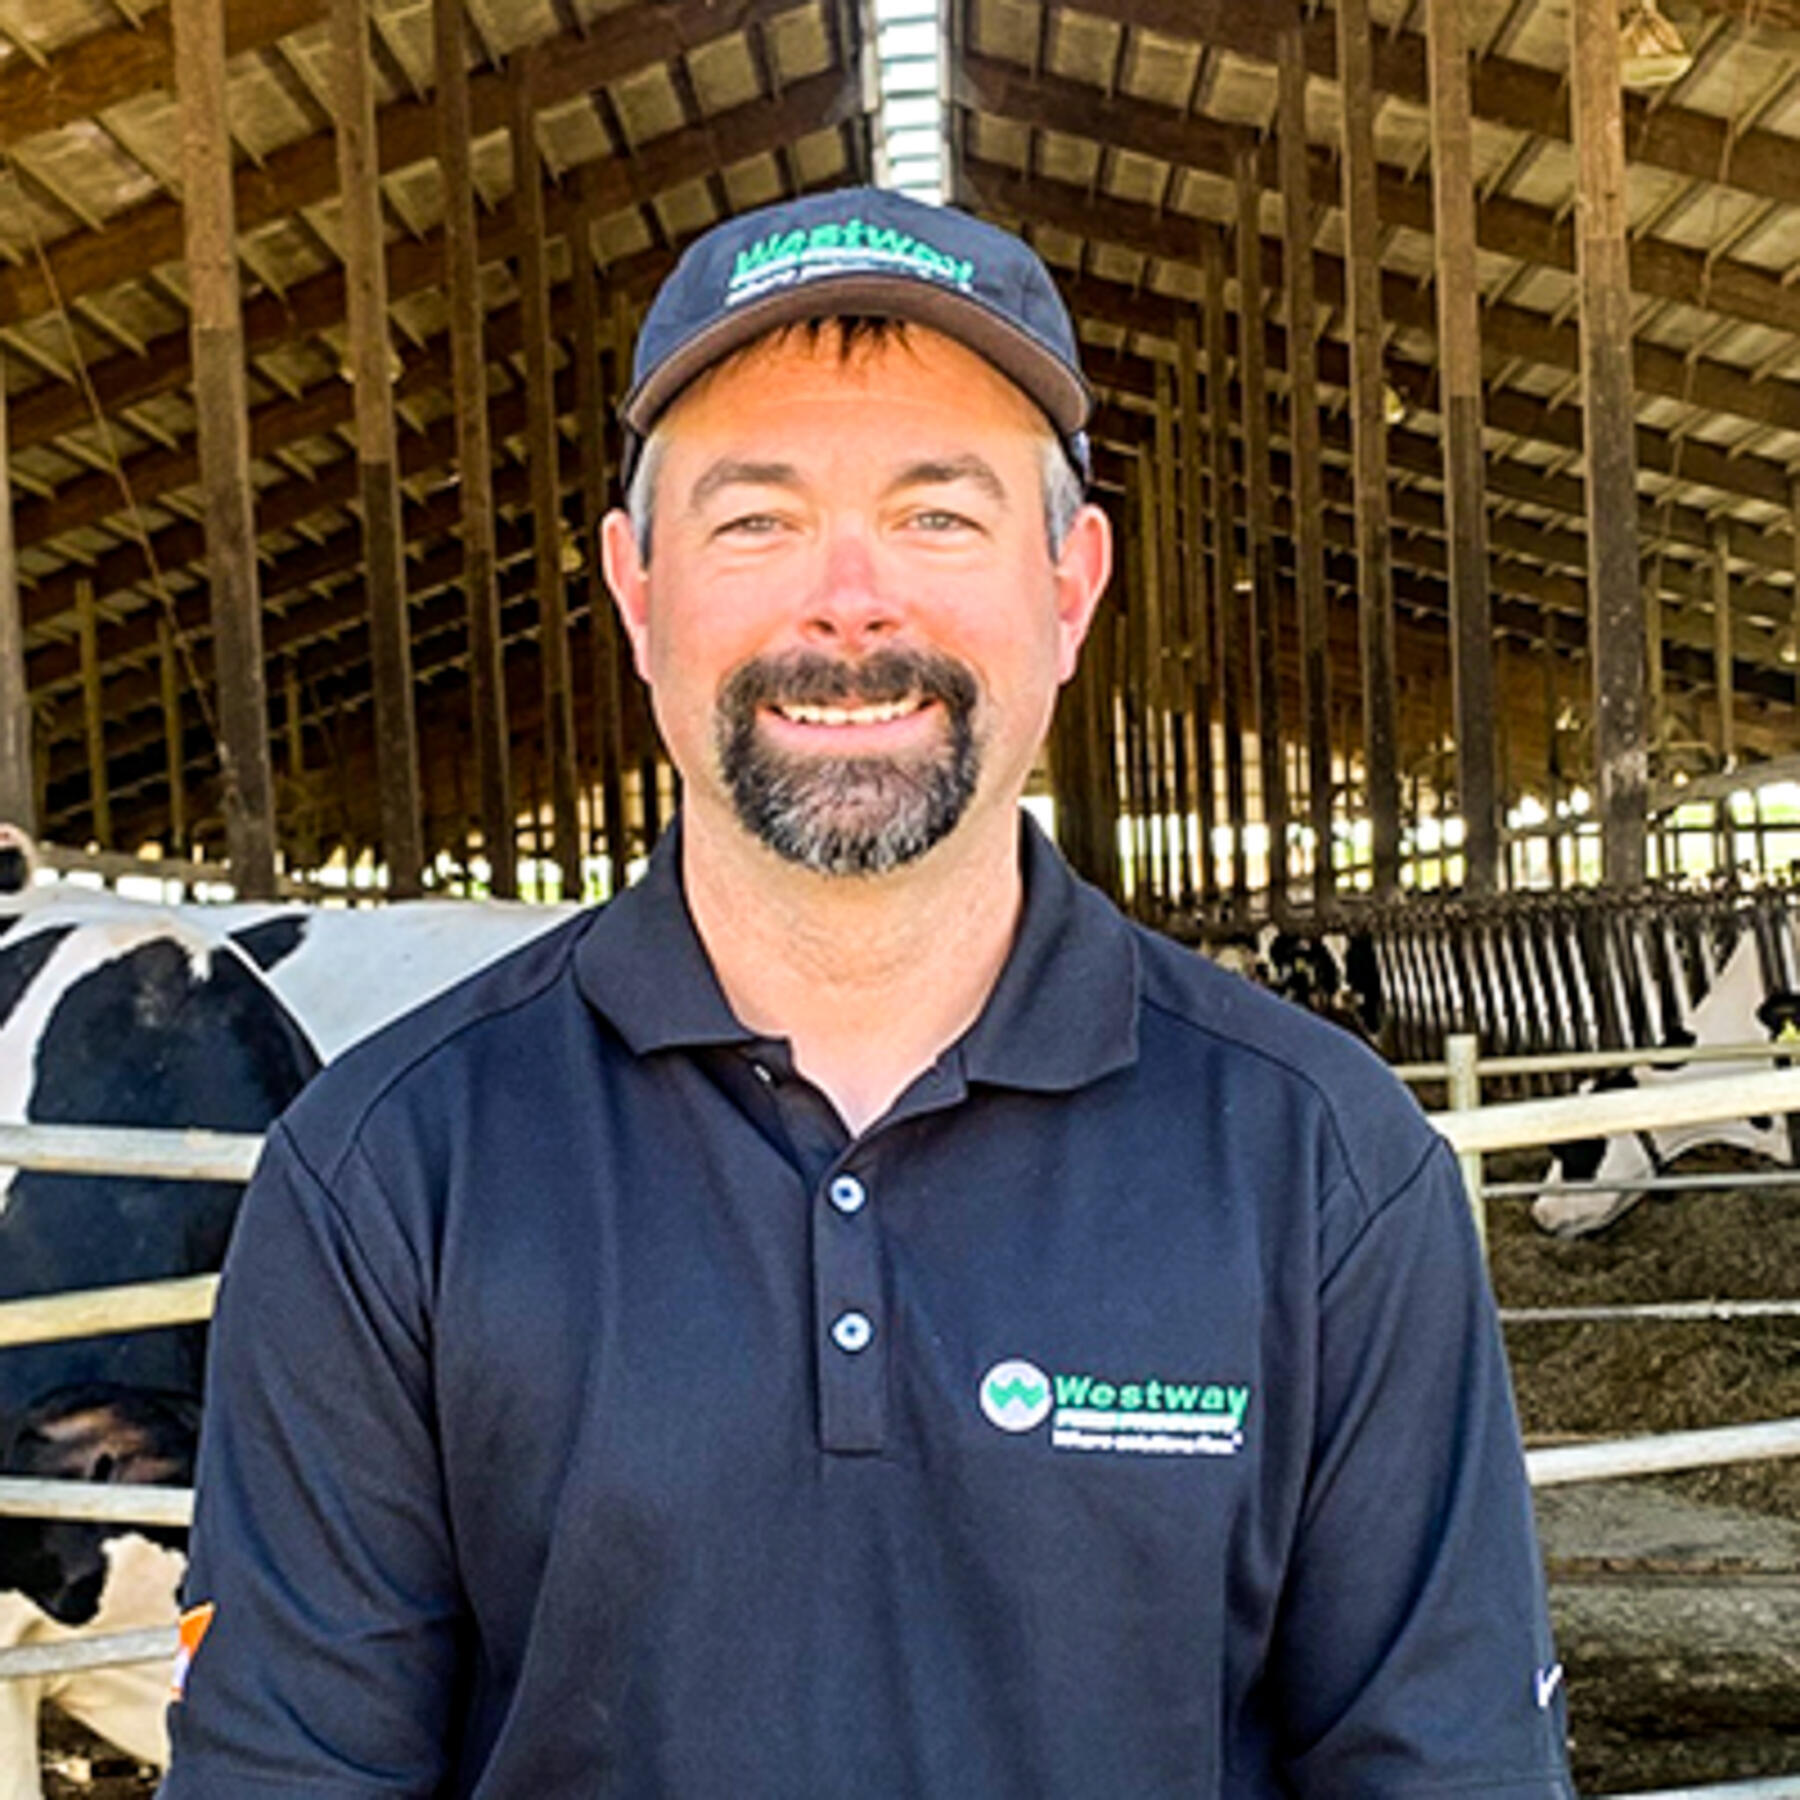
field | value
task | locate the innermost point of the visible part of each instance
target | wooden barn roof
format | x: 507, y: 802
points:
x: 1107, y: 131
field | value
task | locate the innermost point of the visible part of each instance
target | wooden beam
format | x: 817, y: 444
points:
x: 174, y: 750
x: 474, y: 457
x: 1362, y: 234
x: 544, y: 455
x: 1229, y: 661
x: 1726, y: 696
x: 1519, y: 96
x: 1609, y: 404
x: 1307, y: 451
x: 93, y: 708
x: 1197, y: 647
x: 302, y: 174
x: 1264, y: 619
x: 18, y: 782
x: 1465, y: 478
x: 590, y: 405
x: 248, y: 791
x: 371, y: 356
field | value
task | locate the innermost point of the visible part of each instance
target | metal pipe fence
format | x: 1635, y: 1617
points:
x: 214, y: 1156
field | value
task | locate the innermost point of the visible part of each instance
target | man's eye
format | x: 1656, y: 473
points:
x: 938, y: 518
x: 750, y: 525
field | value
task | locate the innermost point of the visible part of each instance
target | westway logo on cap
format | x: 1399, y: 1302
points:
x: 839, y: 247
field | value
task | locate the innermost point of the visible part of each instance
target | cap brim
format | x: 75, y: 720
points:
x: 1028, y: 363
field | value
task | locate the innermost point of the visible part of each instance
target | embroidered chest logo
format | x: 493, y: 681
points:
x: 1150, y: 1415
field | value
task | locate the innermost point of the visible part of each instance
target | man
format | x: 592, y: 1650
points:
x: 856, y: 1316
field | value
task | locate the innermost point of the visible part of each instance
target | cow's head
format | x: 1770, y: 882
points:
x: 1612, y: 1164
x: 95, y: 1432
x: 18, y: 860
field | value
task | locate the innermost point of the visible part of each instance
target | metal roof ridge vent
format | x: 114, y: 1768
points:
x: 910, y: 149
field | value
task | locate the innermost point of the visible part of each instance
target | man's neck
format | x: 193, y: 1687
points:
x: 869, y: 978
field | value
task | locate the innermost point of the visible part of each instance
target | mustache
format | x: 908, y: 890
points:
x: 809, y: 678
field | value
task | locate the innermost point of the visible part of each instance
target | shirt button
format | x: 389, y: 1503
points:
x: 847, y: 1194
x: 764, y: 1074
x: 851, y: 1332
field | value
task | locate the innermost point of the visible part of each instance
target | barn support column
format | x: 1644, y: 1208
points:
x: 487, y: 684
x: 1224, y: 562
x: 1265, y: 627
x: 1609, y: 414
x: 1375, y: 574
x: 590, y: 411
x: 217, y: 330
x: 1465, y: 470
x: 544, y: 446
x: 1304, y: 441
x: 1197, y: 641
x: 1724, y: 683
x: 1176, y: 801
x: 1794, y: 538
x: 18, y: 785
x: 174, y: 751
x: 93, y: 712
x: 371, y: 358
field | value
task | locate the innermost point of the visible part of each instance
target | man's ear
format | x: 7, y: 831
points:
x: 1082, y: 568
x: 629, y: 580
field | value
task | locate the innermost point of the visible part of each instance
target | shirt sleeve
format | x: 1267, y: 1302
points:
x: 320, y: 1537
x: 1413, y: 1654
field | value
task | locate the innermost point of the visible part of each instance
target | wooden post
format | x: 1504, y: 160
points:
x: 487, y: 684
x: 1172, y: 606
x: 1724, y: 683
x: 1794, y: 540
x: 174, y: 743
x: 377, y: 464
x: 1465, y: 469
x: 18, y: 784
x: 1609, y: 409
x: 1304, y: 439
x: 1197, y: 643
x: 216, y: 323
x: 1375, y: 575
x: 545, y: 452
x: 93, y: 712
x: 590, y: 408
x: 1230, y: 662
x: 1259, y: 510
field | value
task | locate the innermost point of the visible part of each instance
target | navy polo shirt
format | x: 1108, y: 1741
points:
x: 1123, y: 1414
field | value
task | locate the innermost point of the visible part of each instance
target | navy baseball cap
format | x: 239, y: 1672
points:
x: 867, y: 252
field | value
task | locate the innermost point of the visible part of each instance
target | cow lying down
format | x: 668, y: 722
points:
x: 118, y: 1013
x: 1737, y: 1009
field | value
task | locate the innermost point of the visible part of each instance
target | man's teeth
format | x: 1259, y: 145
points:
x: 851, y: 715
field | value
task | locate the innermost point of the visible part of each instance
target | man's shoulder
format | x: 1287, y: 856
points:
x: 1258, y: 1039
x: 486, y: 1019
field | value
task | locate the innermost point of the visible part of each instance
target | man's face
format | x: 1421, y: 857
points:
x: 851, y: 623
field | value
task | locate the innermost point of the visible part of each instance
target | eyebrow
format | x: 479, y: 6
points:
x: 735, y: 472
x: 943, y: 472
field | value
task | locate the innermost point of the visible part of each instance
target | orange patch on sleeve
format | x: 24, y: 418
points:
x: 195, y: 1623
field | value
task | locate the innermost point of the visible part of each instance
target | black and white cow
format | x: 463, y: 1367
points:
x: 115, y: 1012
x: 1334, y: 973
x: 1738, y: 1008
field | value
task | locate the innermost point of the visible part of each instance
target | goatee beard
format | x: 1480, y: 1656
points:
x: 847, y: 815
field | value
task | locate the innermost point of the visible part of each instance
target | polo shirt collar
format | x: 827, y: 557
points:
x: 642, y: 965
x: 1065, y: 1009
x: 1062, y: 1014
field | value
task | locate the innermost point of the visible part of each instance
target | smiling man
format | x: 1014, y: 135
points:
x: 856, y: 1316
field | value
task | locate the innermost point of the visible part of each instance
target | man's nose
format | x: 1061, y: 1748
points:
x: 851, y: 606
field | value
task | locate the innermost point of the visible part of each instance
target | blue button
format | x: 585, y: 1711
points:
x: 847, y: 1194
x: 851, y: 1332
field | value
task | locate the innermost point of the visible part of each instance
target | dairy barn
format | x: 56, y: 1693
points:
x: 1447, y: 356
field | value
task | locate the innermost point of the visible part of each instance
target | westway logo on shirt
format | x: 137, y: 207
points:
x: 1150, y: 1415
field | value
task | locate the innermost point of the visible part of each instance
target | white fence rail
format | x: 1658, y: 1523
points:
x: 216, y: 1156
